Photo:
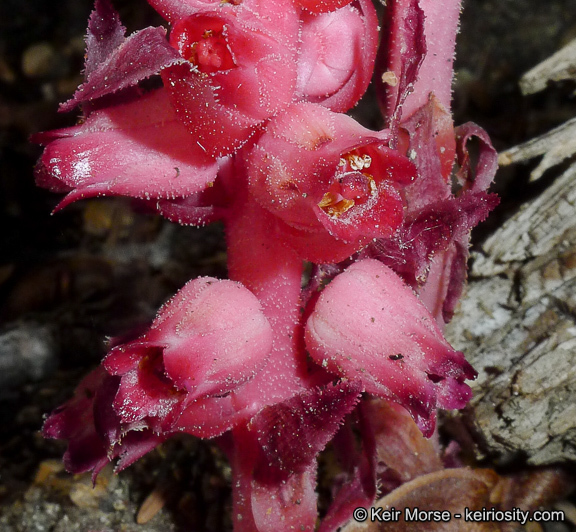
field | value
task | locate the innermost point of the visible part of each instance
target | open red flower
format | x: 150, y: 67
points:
x: 240, y: 70
x: 208, y: 340
x: 329, y: 178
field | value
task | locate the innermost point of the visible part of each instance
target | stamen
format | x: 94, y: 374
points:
x: 335, y: 205
x: 357, y: 162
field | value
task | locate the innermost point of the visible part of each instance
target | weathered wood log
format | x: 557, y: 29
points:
x: 517, y: 326
x: 517, y: 321
x: 557, y: 67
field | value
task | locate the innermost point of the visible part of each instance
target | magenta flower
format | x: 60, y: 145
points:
x: 238, y: 71
x: 136, y: 149
x: 368, y: 325
x: 241, y: 72
x: 324, y: 174
x: 208, y: 340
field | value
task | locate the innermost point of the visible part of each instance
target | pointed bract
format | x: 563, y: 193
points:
x: 292, y: 433
x: 94, y: 432
x: 114, y: 62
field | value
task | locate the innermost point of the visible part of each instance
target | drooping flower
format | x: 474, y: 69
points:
x: 327, y: 177
x: 368, y: 325
x: 211, y: 338
x: 137, y: 149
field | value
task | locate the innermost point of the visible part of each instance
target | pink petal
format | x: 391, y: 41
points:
x: 215, y: 335
x: 147, y: 394
x: 327, y: 59
x: 337, y: 55
x: 241, y: 70
x: 219, y: 129
x: 136, y: 149
x: 321, y: 6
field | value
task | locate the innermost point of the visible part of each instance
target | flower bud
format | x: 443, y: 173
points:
x: 368, y: 325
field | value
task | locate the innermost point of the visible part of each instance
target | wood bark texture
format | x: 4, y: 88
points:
x: 517, y: 326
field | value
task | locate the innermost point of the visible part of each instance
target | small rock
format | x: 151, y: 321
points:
x: 27, y: 352
x: 39, y: 60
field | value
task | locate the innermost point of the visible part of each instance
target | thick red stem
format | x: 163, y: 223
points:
x: 259, y: 258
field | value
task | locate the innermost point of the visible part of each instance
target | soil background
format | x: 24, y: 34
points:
x: 102, y: 267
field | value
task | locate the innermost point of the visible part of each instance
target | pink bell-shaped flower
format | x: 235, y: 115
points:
x: 136, y: 149
x: 368, y: 325
x: 337, y: 53
x: 208, y: 340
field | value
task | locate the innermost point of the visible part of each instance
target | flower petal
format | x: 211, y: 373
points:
x: 240, y: 70
x: 337, y: 55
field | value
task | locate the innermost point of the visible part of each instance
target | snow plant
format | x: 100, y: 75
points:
x: 248, y: 127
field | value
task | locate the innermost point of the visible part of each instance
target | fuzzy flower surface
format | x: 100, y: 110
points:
x: 346, y: 247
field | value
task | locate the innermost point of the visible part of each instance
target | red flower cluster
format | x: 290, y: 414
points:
x: 249, y: 128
